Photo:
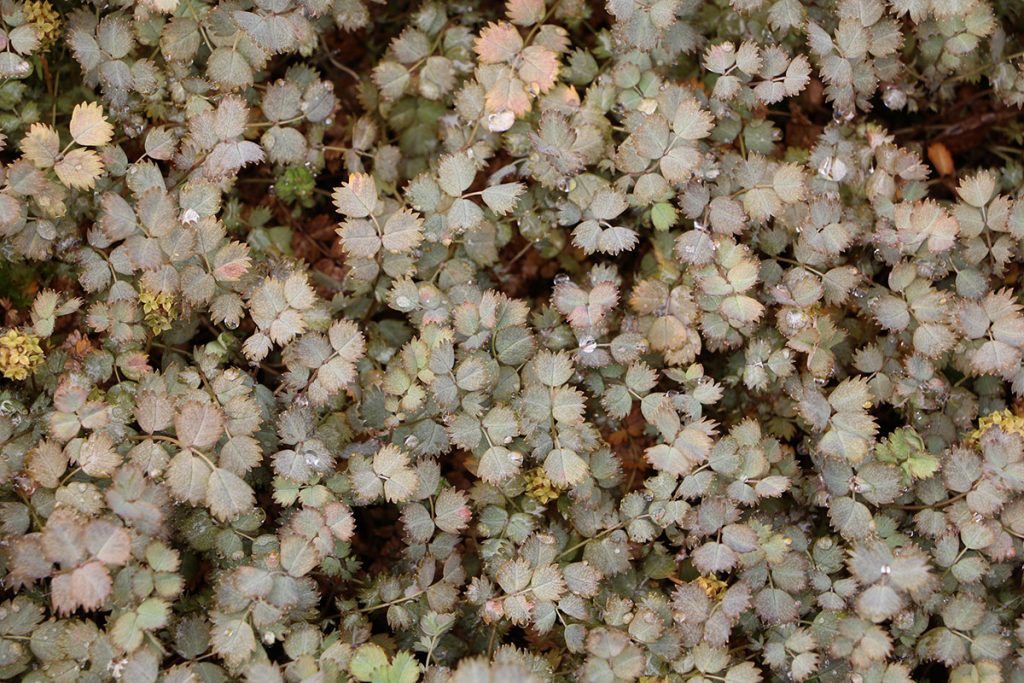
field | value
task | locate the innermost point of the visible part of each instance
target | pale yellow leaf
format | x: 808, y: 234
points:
x: 507, y: 93
x: 539, y: 68
x: 89, y: 127
x: 525, y: 12
x: 41, y: 145
x: 79, y: 169
x: 498, y: 42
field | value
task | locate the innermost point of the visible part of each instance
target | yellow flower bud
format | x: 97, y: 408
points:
x: 41, y: 15
x: 540, y: 487
x: 20, y: 354
x: 159, y: 310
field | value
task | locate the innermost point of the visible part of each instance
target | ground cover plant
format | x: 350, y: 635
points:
x: 553, y: 340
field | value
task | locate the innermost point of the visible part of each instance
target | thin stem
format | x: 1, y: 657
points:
x: 396, y: 601
x: 982, y: 69
x: 936, y: 506
x: 70, y: 474
x: 610, y: 530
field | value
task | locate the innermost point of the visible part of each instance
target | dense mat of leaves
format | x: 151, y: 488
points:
x: 669, y: 340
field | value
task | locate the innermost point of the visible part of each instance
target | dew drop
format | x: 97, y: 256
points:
x: 189, y: 216
x: 832, y: 168
x: 842, y: 115
x: 500, y: 121
x: 894, y: 98
x: 796, y: 320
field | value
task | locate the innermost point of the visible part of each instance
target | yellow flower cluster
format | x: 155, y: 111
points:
x: 712, y: 585
x: 20, y: 354
x: 1004, y: 419
x: 46, y: 21
x: 539, y: 486
x: 159, y: 309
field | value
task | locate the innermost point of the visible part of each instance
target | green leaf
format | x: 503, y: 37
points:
x: 187, y: 477
x: 663, y: 216
x: 404, y: 668
x: 564, y: 467
x: 298, y: 555
x: 456, y: 173
x: 850, y: 517
x: 878, y: 603
x: 743, y: 673
x: 227, y: 495
x: 360, y: 238
x: 152, y: 614
x: 553, y: 369
x: 775, y: 606
x: 714, y: 557
x: 451, y: 512
x: 358, y: 197
x: 567, y: 405
x: 464, y: 215
x: 503, y: 198
x: 691, y: 122
x: 233, y: 639
x: 366, y: 661
x: 392, y: 466
x: 229, y: 68
x: 607, y: 204
x: 499, y: 464
x: 199, y: 425
x: 402, y: 231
